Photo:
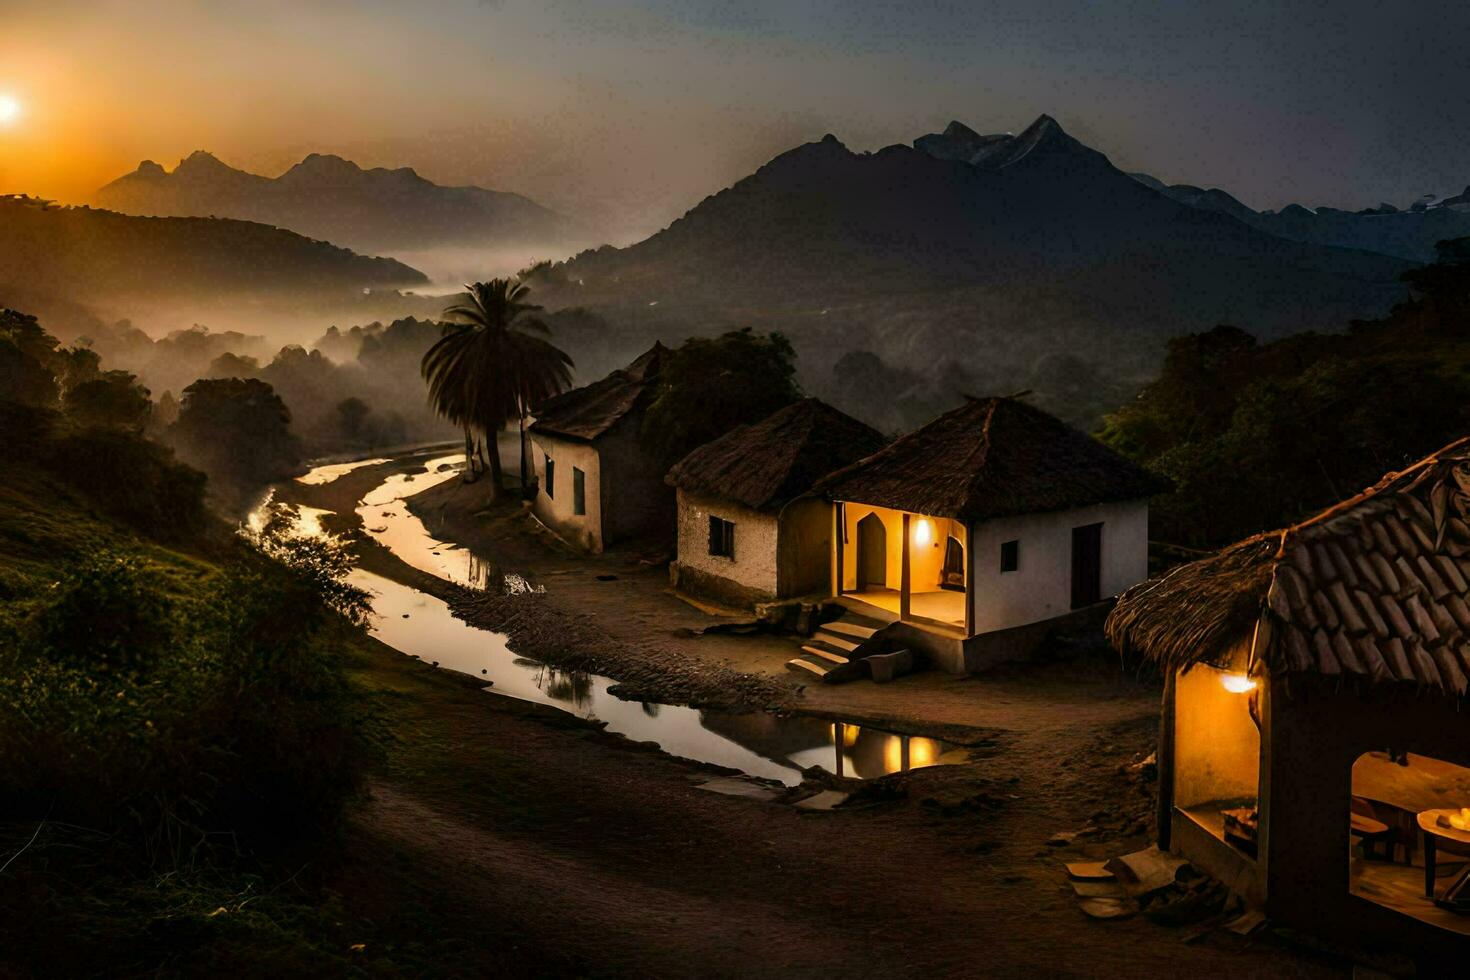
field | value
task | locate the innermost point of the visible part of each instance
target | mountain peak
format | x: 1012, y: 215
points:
x: 319, y: 165
x: 200, y: 162
x: 149, y: 169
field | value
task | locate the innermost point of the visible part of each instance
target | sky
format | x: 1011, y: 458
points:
x: 628, y: 112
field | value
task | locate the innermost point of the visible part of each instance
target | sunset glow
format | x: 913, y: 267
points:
x: 9, y: 109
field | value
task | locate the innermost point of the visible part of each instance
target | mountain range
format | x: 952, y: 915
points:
x: 330, y: 198
x: 76, y: 263
x: 1409, y: 233
x: 986, y: 254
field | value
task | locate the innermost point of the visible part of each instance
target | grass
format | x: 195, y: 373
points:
x: 78, y: 901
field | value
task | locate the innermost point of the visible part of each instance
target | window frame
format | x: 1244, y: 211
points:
x: 579, y: 492
x: 1010, y: 556
x: 721, y: 537
x: 550, y: 470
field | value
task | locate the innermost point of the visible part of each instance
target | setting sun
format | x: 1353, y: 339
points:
x: 9, y: 110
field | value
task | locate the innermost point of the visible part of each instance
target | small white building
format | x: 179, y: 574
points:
x: 977, y: 533
x: 748, y: 531
x: 595, y: 483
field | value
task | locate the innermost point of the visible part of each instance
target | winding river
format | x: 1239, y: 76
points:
x: 417, y: 624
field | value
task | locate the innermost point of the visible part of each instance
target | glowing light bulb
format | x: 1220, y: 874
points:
x: 1238, y: 683
x: 922, y: 532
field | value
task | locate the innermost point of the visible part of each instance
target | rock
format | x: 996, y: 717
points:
x: 1061, y: 840
x: 884, y: 667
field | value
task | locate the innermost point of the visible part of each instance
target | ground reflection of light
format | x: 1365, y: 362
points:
x: 922, y: 752
x: 893, y: 754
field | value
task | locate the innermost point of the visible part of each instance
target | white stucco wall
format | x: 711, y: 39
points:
x: 1042, y: 586
x: 754, y: 563
x: 556, y: 511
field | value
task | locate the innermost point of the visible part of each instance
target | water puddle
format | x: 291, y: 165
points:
x: 417, y: 624
x: 334, y: 471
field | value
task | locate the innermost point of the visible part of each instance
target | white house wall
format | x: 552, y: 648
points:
x: 754, y: 563
x: 556, y: 511
x: 1041, y: 587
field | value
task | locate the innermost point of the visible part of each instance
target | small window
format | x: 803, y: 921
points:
x: 579, y: 491
x: 1010, y: 556
x: 550, y: 475
x: 721, y: 537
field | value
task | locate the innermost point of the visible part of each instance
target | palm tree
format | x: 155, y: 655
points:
x: 493, y: 364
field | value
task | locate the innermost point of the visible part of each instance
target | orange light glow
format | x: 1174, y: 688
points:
x: 9, y: 109
x: 1238, y: 683
x: 923, y: 532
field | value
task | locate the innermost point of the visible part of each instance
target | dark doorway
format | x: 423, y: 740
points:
x: 872, y: 552
x: 1086, y: 565
x: 952, y: 575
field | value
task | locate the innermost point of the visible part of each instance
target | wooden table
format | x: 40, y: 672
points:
x: 1452, y: 840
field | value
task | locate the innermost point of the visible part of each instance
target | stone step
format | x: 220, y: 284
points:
x: 834, y: 641
x: 831, y: 656
x: 856, y: 631
x: 804, y: 666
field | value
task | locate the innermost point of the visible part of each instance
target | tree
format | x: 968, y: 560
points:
x: 490, y: 365
x: 351, y: 414
x: 710, y: 385
x: 236, y: 429
x: 28, y: 360
x: 113, y: 398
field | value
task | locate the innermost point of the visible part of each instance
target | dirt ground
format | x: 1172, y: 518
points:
x: 582, y: 853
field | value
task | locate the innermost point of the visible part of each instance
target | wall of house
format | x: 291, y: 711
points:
x: 1217, y: 748
x: 753, y: 566
x: 555, y: 510
x: 636, y: 502
x: 1316, y: 729
x: 925, y: 560
x: 804, y: 551
x: 1041, y: 586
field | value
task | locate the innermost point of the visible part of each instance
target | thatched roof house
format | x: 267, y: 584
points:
x: 984, y: 527
x: 990, y: 458
x: 772, y: 462
x: 1373, y: 588
x: 588, y: 412
x: 1313, y: 722
x: 748, y: 532
x: 595, y: 482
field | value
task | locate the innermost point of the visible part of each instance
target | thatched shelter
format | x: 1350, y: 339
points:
x: 595, y: 482
x: 748, y: 531
x: 1313, y: 701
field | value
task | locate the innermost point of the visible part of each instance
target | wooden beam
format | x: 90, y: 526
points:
x: 1165, y: 759
x: 904, y: 582
x: 839, y: 509
x: 970, y: 579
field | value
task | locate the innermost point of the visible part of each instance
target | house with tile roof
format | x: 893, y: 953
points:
x: 978, y: 534
x: 596, y: 484
x: 1314, y: 750
x: 749, y: 530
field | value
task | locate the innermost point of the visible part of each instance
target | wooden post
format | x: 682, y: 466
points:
x: 839, y: 735
x: 903, y: 582
x: 1165, y: 759
x: 970, y: 579
x: 903, y: 753
x: 840, y: 510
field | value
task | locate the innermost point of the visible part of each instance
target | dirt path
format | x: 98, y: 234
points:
x: 544, y: 829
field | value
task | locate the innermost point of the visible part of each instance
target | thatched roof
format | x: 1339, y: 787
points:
x: 1374, y: 587
x: 587, y: 412
x: 989, y: 458
x: 778, y: 459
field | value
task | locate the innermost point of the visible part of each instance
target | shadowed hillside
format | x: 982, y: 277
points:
x: 983, y: 255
